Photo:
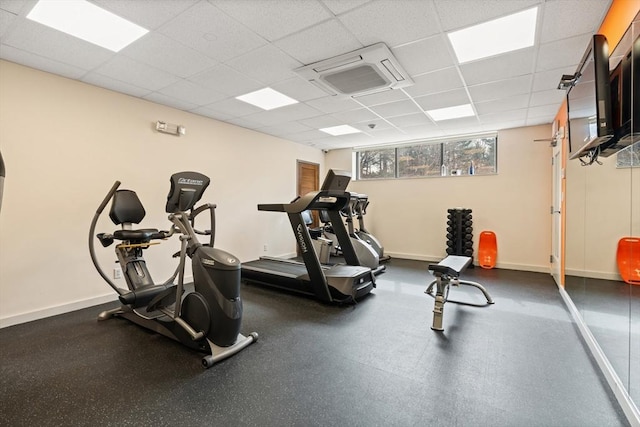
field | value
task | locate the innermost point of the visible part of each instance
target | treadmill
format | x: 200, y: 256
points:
x: 337, y: 283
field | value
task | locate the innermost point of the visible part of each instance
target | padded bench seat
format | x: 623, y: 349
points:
x: 447, y: 272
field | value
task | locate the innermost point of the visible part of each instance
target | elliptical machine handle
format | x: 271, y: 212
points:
x: 92, y: 230
x: 212, y: 218
x: 108, y: 197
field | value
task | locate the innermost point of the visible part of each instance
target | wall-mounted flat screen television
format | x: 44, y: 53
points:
x: 589, y: 101
x: 624, y: 63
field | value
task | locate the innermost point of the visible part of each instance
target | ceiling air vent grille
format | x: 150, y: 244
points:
x: 368, y: 70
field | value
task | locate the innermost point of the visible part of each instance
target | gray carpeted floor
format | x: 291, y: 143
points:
x: 519, y: 362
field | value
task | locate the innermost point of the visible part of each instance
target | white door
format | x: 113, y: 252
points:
x: 556, y: 223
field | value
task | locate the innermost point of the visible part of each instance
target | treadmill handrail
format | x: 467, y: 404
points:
x: 314, y: 200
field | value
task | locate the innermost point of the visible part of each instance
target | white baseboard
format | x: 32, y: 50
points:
x: 505, y: 266
x: 62, y: 308
x: 622, y: 396
x: 55, y: 310
x: 593, y: 274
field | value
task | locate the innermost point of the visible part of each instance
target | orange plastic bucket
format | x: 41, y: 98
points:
x: 487, y: 249
x: 628, y: 258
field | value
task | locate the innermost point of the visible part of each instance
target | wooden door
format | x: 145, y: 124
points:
x: 308, y: 181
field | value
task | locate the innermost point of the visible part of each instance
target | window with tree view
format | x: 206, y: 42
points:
x: 469, y: 156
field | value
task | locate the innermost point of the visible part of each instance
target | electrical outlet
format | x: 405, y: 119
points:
x: 265, y: 248
x: 117, y: 273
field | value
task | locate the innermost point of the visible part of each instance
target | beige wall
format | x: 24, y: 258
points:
x: 65, y: 143
x: 409, y: 215
x: 599, y: 213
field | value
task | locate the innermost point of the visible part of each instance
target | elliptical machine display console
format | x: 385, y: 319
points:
x: 207, y: 319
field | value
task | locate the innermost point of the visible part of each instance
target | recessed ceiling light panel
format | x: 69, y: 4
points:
x: 340, y: 130
x: 88, y: 22
x: 449, y: 113
x: 267, y: 99
x: 513, y: 32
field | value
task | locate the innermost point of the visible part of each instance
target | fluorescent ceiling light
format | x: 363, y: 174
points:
x: 340, y: 130
x: 88, y: 22
x: 267, y: 99
x: 448, y: 113
x: 490, y: 38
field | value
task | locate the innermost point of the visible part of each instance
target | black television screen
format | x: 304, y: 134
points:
x: 589, y: 101
x: 625, y: 88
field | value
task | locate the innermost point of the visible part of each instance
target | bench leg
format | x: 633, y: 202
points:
x: 438, y: 311
x: 479, y: 286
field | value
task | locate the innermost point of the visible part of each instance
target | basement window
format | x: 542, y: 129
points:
x: 451, y: 157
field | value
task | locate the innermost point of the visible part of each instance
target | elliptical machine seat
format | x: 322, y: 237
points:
x: 137, y: 236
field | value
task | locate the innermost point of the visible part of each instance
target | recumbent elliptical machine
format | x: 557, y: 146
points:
x: 207, y: 319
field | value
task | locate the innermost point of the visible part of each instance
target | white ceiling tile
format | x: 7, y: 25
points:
x: 389, y: 22
x: 434, y: 82
x: 504, y: 104
x: 333, y: 104
x: 309, y: 135
x: 503, y: 125
x: 274, y: 19
x: 285, y: 129
x: 283, y: 114
x: 499, y: 67
x: 501, y: 89
x: 320, y: 42
x: 378, y: 125
x: 546, y: 80
x: 425, y: 55
x: 115, y: 85
x: 398, y: 108
x: 442, y: 100
x: 169, y: 101
x: 38, y: 39
x: 388, y: 135
x: 318, y: 122
x: 456, y: 14
x: 226, y: 80
x: 427, y: 131
x: 207, y: 29
x: 341, y: 6
x: 149, y: 14
x: 233, y: 107
x: 187, y: 91
x: 40, y: 63
x: 419, y: 119
x: 503, y: 116
x: 381, y: 97
x: 166, y: 54
x: 469, y: 124
x: 244, y: 122
x: 562, y: 53
x: 567, y: 18
x: 298, y: 88
x: 207, y: 112
x: 546, y: 97
x: 6, y: 19
x: 17, y: 6
x: 135, y: 73
x: 543, y: 110
x: 354, y: 116
x: 274, y: 64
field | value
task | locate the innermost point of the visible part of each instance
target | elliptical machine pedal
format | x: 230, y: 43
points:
x: 207, y: 319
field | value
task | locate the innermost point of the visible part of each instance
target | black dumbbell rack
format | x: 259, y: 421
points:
x: 460, y: 232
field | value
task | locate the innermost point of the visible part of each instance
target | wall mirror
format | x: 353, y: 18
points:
x: 602, y: 207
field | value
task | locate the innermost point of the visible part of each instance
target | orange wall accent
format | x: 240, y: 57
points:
x: 618, y: 18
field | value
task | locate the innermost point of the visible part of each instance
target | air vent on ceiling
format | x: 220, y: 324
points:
x: 367, y: 70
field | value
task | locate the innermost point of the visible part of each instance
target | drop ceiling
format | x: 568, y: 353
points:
x: 200, y: 54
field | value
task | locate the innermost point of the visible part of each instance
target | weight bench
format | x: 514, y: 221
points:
x: 447, y: 272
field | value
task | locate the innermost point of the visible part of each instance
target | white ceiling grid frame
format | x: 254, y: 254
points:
x: 227, y: 48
